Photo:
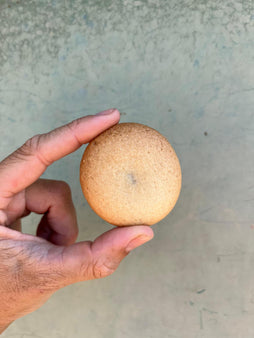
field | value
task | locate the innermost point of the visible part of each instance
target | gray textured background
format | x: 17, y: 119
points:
x: 185, y: 68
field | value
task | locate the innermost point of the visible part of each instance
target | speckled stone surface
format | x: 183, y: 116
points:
x: 186, y: 69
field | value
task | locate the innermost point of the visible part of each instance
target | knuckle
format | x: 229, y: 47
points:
x: 84, y: 270
x: 101, y: 269
x: 35, y: 147
x: 62, y: 188
x: 32, y: 147
x: 28, y: 148
x: 72, y: 126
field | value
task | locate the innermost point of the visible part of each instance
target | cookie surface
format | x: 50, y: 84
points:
x: 130, y: 175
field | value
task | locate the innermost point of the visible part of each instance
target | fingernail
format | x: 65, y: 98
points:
x: 106, y: 112
x: 139, y: 240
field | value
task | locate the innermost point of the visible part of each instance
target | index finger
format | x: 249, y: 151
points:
x: 27, y: 163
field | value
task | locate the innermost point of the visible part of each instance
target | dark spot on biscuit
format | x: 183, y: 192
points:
x: 131, y: 178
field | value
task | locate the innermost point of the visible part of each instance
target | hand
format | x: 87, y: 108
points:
x: 32, y: 268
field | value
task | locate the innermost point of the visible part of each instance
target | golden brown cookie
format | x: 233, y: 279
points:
x: 130, y: 175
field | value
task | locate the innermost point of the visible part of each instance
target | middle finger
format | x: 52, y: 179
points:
x: 53, y: 199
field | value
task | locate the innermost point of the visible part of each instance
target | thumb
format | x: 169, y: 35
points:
x: 90, y: 260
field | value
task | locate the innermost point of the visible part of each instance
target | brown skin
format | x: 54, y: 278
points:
x: 32, y: 268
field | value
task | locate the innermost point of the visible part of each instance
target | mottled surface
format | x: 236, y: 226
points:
x: 130, y: 175
x: 186, y: 69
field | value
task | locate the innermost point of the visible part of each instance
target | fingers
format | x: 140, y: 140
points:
x: 27, y: 163
x: 16, y: 225
x: 89, y: 260
x: 53, y: 199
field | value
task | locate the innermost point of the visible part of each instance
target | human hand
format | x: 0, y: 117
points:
x: 32, y: 268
